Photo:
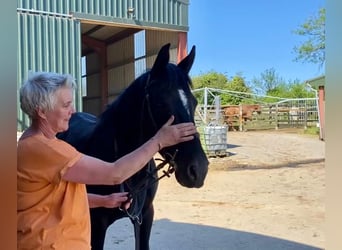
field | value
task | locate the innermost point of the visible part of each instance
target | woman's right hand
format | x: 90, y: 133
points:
x: 169, y: 135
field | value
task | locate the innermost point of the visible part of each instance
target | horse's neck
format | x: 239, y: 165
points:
x: 124, y: 119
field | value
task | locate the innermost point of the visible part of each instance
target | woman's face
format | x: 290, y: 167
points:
x: 58, y: 117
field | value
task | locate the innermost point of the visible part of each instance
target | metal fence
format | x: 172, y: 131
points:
x: 283, y: 113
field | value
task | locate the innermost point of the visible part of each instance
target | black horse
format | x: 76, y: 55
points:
x: 128, y: 122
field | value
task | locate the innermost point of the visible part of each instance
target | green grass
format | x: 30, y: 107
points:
x: 312, y: 131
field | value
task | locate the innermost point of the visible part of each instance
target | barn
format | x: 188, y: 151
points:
x: 104, y: 44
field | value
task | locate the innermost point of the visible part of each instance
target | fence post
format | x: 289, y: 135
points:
x: 217, y: 109
x: 306, y: 115
x: 240, y: 118
x: 205, y: 105
x: 276, y: 117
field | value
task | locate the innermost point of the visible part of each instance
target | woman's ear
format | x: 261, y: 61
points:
x: 41, y: 113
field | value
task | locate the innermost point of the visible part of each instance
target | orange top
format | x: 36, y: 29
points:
x: 51, y: 213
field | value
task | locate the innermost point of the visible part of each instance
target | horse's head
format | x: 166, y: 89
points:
x: 257, y: 108
x: 168, y: 91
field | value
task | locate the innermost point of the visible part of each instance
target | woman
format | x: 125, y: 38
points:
x: 53, y: 206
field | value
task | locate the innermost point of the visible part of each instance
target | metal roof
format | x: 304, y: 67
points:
x: 108, y: 21
x: 317, y: 81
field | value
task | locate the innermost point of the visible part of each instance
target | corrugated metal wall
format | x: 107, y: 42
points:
x: 154, y: 12
x: 48, y: 43
x: 171, y: 12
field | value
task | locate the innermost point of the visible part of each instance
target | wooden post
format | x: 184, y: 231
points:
x: 240, y: 118
x: 101, y: 49
x: 276, y: 117
x: 305, y: 115
x: 182, y: 46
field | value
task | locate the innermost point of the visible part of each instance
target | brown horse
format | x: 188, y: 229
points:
x: 241, y: 113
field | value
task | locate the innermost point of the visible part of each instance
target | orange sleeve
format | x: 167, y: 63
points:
x: 45, y: 160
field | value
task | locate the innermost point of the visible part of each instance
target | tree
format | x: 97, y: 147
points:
x: 299, y: 90
x: 220, y: 81
x: 272, y: 85
x: 238, y: 84
x: 290, y: 90
x: 212, y: 79
x: 312, y: 50
x: 268, y: 81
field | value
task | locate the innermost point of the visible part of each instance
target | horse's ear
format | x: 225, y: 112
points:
x: 162, y: 59
x: 187, y: 62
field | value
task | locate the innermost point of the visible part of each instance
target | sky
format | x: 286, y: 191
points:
x: 250, y: 36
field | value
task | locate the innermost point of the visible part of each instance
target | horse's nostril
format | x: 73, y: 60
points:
x: 192, y: 173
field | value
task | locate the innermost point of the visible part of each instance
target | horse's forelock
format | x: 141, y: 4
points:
x: 177, y: 76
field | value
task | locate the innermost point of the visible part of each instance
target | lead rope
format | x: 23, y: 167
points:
x: 142, y: 184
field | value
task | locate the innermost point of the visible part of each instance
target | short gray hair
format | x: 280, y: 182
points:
x: 39, y: 90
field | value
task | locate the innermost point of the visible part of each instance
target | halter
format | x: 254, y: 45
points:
x: 168, y: 160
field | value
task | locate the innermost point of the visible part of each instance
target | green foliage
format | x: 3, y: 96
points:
x: 289, y: 90
x: 211, y: 79
x: 271, y: 84
x: 312, y: 131
x: 299, y: 90
x: 268, y: 81
x: 312, y: 50
x: 220, y: 81
x: 279, y: 91
x: 238, y: 84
